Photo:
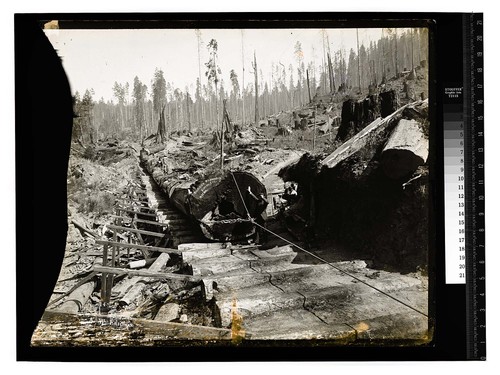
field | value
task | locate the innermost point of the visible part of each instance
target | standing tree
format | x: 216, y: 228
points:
x: 299, y: 55
x: 292, y: 88
x: 396, y: 52
x: 198, y: 96
x: 243, y: 79
x: 213, y: 73
x: 159, y: 97
x: 236, y: 88
x: 139, y: 94
x: 189, y: 103
x: 87, y: 104
x: 323, y: 75
x: 179, y: 96
x: 200, y: 103
x: 256, y: 74
x: 358, y: 58
x: 119, y: 94
x: 162, y: 129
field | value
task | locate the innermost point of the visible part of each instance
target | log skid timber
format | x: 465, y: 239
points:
x: 112, y: 267
x: 139, y: 247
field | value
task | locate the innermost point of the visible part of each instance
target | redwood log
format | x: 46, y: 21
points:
x: 367, y: 140
x: 406, y: 149
x: 77, y: 298
x: 214, y: 200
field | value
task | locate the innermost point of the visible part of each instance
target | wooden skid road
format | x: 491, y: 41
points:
x: 276, y: 299
x: 254, y: 295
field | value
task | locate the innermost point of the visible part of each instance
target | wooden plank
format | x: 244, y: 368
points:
x: 81, y: 227
x: 200, y: 245
x: 139, y: 247
x: 139, y: 235
x: 191, y: 255
x: 141, y: 221
x: 137, y: 212
x: 143, y: 273
x: 85, y: 280
x: 133, y: 230
x: 145, y: 202
x: 141, y: 208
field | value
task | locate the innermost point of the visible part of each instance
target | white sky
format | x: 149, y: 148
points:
x: 97, y: 58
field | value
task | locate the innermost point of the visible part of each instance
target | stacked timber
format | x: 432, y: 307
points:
x: 224, y: 203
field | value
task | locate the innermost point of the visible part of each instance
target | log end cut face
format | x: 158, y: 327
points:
x: 399, y: 163
x: 406, y: 149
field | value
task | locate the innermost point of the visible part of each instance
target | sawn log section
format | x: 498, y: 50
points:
x: 214, y: 200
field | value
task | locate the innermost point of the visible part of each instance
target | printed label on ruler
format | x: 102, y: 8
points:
x: 454, y: 186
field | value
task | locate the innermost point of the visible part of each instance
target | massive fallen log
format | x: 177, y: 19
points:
x: 406, y: 149
x: 349, y: 197
x: 366, y: 141
x: 363, y: 146
x: 212, y: 197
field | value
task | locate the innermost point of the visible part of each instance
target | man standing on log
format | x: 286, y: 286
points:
x: 261, y: 202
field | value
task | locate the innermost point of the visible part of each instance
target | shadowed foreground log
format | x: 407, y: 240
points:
x: 349, y: 196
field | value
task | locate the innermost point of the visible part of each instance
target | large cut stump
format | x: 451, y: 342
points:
x: 356, y: 114
x: 388, y: 102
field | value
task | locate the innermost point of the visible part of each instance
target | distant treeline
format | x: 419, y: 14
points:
x: 135, y: 109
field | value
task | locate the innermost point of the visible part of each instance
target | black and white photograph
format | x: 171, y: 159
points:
x: 245, y: 186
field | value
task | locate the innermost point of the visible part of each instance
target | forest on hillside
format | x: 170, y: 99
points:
x: 136, y: 107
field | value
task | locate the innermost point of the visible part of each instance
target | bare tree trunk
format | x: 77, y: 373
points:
x: 330, y: 74
x: 383, y: 58
x: 188, y: 113
x: 256, y: 73
x: 198, y: 35
x: 324, y: 62
x: 308, y: 88
x: 359, y: 58
x: 396, y: 54
x: 412, y: 63
x: 243, y: 79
